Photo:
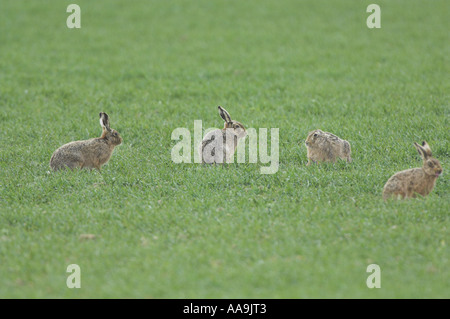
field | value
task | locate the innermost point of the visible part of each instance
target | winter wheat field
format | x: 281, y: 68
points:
x: 148, y: 227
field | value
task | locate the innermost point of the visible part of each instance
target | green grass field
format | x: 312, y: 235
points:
x: 166, y: 230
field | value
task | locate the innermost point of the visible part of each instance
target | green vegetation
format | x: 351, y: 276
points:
x: 166, y: 230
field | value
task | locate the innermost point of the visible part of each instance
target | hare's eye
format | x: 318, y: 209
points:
x: 430, y: 164
x: 315, y: 134
x: 115, y: 134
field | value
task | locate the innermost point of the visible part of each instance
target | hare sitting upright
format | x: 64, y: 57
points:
x: 92, y: 153
x: 218, y: 146
x: 410, y: 182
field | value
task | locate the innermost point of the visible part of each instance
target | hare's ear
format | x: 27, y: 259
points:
x: 104, y: 121
x: 224, y: 114
x: 422, y: 151
x: 427, y: 149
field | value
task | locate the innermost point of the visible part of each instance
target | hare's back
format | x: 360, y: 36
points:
x: 212, y: 137
x: 71, y: 147
x: 79, y: 149
x: 407, y: 175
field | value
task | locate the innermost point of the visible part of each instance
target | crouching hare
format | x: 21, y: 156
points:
x: 410, y: 182
x: 218, y: 146
x: 92, y: 153
x: 326, y: 147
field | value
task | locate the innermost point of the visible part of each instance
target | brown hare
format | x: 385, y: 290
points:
x: 92, y: 153
x: 218, y: 146
x: 410, y: 182
x: 326, y: 147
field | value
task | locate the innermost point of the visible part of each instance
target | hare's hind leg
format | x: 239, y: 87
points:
x: 74, y: 164
x: 72, y: 161
x: 66, y: 163
x: 69, y: 165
